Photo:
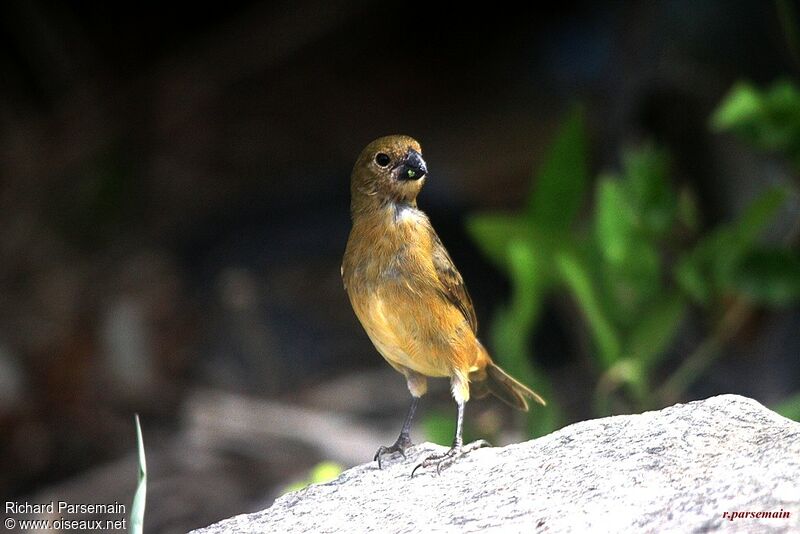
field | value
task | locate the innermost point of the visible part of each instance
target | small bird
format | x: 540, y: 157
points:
x: 409, y: 296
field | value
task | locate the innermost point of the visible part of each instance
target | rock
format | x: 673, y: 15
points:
x: 685, y: 468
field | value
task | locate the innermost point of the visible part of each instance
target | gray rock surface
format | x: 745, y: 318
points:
x: 675, y: 470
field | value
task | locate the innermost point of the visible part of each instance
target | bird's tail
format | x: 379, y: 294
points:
x: 492, y: 379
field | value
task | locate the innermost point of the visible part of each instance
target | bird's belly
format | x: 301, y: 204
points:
x: 408, y: 334
x: 399, y: 358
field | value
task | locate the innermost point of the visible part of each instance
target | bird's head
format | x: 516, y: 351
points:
x: 390, y: 168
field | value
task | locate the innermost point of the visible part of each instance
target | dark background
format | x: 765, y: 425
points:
x: 174, y: 190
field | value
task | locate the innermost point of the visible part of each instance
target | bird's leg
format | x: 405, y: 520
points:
x: 403, y: 440
x: 443, y: 461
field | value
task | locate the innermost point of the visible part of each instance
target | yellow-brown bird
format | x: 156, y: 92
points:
x: 409, y: 296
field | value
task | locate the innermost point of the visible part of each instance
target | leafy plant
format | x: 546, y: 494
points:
x: 722, y: 262
x: 532, y: 248
x: 770, y: 120
x: 632, y: 298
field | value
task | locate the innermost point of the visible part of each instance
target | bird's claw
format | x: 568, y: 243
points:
x: 399, y: 446
x: 443, y: 461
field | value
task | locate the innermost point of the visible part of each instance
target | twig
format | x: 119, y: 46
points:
x: 705, y: 354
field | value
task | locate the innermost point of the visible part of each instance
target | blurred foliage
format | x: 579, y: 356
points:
x: 721, y: 262
x: 790, y: 407
x: 768, y: 119
x: 439, y: 427
x: 319, y: 474
x: 624, y: 267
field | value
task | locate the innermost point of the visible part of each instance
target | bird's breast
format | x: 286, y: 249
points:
x: 390, y: 246
x: 395, y: 291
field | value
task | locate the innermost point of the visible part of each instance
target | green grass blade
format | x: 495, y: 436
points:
x: 140, y: 497
x: 577, y: 277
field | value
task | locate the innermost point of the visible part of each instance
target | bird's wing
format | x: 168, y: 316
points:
x: 453, y: 286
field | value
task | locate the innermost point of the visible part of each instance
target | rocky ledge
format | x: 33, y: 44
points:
x: 722, y: 464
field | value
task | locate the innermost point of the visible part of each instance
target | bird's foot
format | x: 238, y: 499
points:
x: 443, y: 461
x: 401, y: 445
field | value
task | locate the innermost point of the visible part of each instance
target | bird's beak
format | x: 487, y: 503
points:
x: 413, y: 166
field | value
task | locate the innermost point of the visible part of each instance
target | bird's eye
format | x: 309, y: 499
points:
x: 382, y: 159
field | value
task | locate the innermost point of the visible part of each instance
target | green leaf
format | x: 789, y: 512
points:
x: 790, y: 407
x: 140, y: 497
x: 759, y: 214
x: 741, y: 105
x: 493, y: 232
x: 769, y: 276
x: 648, y: 189
x: 691, y: 278
x: 577, y: 277
x: 686, y: 209
x: 733, y: 243
x: 614, y: 221
x: 529, y: 282
x: 512, y: 328
x: 630, y: 265
x: 769, y: 119
x: 655, y: 330
x: 561, y: 181
x: 708, y: 269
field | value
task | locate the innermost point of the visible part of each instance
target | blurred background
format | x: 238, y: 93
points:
x: 618, y: 184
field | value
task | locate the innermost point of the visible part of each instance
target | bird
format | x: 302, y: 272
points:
x: 409, y: 297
